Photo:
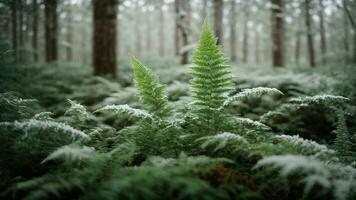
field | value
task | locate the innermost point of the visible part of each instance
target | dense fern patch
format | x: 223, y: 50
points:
x: 145, y: 140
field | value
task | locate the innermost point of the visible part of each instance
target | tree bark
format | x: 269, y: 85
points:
x: 183, y: 25
x: 105, y: 37
x: 161, y: 30
x: 233, y: 31
x: 35, y: 30
x: 177, y: 8
x: 218, y: 21
x: 245, y: 37
x: 51, y: 30
x: 21, y: 30
x: 257, y: 47
x: 323, y: 47
x: 297, y: 48
x: 277, y: 33
x: 310, y: 39
x: 14, y: 27
x: 69, y: 35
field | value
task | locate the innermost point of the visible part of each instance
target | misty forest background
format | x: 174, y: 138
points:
x: 177, y: 99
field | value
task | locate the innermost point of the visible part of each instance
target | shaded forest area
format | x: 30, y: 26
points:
x: 177, y: 99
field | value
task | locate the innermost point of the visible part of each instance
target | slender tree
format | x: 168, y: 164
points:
x: 105, y: 37
x: 35, y: 30
x: 14, y: 8
x: 277, y: 33
x: 21, y: 30
x: 323, y: 46
x: 69, y: 35
x: 297, y: 47
x: 233, y: 40
x: 257, y: 47
x: 177, y: 11
x: 51, y: 30
x: 245, y: 34
x: 161, y: 29
x: 218, y: 20
x: 310, y: 40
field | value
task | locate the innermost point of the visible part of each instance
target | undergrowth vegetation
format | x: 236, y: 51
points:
x: 197, y: 133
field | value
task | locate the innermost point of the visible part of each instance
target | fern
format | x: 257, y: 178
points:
x: 141, y: 114
x: 222, y: 140
x: 320, y: 99
x: 48, y: 125
x: 152, y: 93
x: 71, y: 154
x: 342, y: 142
x: 248, y: 93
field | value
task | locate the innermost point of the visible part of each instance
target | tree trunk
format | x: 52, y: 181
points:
x: 69, y: 35
x: 310, y: 39
x: 297, y: 48
x: 105, y: 37
x: 245, y: 38
x: 138, y: 44
x: 14, y: 27
x: 161, y: 30
x: 218, y: 20
x: 51, y: 30
x: 148, y: 33
x: 353, y: 24
x: 257, y: 47
x: 277, y: 33
x: 21, y: 30
x: 322, y: 32
x: 183, y: 25
x: 35, y: 30
x: 233, y: 31
x: 177, y: 7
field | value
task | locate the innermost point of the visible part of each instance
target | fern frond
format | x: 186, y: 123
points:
x: 305, y: 146
x: 47, y: 125
x: 77, y: 110
x: 342, y: 141
x: 43, y: 116
x: 212, y: 77
x: 249, y: 123
x: 290, y: 164
x: 152, y: 93
x: 248, y: 93
x: 221, y: 140
x: 141, y: 114
x: 319, y: 99
x: 71, y: 154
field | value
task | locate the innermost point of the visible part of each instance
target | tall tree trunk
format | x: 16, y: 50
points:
x: 105, y: 37
x: 218, y: 20
x: 257, y: 47
x: 177, y: 8
x: 35, y: 30
x: 245, y: 37
x: 21, y: 30
x: 161, y: 30
x: 297, y: 48
x: 277, y: 33
x: 233, y: 31
x: 346, y: 35
x: 310, y: 39
x: 323, y: 47
x: 183, y: 25
x: 51, y: 30
x: 69, y: 35
x: 148, y: 33
x: 14, y: 27
x: 138, y: 42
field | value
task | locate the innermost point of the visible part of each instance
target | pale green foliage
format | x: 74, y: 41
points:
x: 71, y: 154
x: 43, y: 116
x: 319, y: 99
x: 77, y: 110
x: 305, y: 146
x: 223, y: 140
x: 141, y: 114
x: 342, y: 141
x: 248, y: 93
x: 30, y: 124
x: 152, y: 93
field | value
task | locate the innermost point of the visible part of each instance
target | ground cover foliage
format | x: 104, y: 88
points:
x: 201, y: 131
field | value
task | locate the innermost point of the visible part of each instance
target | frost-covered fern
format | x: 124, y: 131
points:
x: 248, y: 93
x: 71, y: 154
x: 319, y: 99
x: 222, y: 140
x: 28, y: 125
x: 142, y: 114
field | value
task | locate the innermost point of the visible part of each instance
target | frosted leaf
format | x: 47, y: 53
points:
x: 45, y: 125
x: 254, y: 92
x: 71, y: 153
x: 319, y: 99
x: 221, y: 140
x: 126, y: 109
x: 289, y: 164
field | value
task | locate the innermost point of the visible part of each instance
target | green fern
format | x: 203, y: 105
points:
x: 152, y: 93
